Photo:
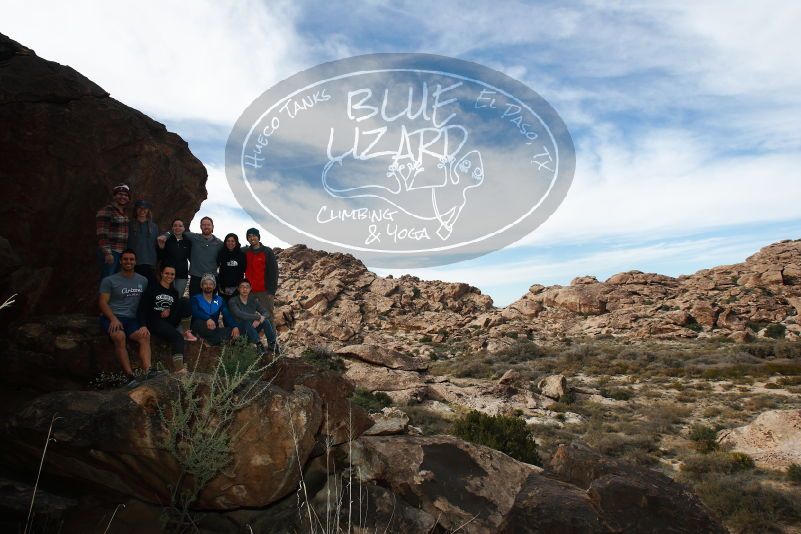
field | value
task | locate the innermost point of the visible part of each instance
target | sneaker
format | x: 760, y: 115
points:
x: 189, y: 336
x: 132, y: 383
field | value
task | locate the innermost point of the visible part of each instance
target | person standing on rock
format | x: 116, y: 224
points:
x: 206, y: 311
x: 251, y: 317
x: 176, y: 250
x: 231, y: 261
x: 203, y: 257
x: 119, y: 299
x: 111, y: 224
x: 142, y: 239
x: 262, y: 270
x: 161, y: 310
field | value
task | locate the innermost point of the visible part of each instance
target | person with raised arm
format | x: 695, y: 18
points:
x: 203, y: 257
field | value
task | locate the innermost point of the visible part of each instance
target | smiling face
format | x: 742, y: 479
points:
x: 253, y: 239
x: 207, y: 286
x: 121, y: 198
x: 206, y: 226
x: 230, y: 243
x: 127, y: 262
x: 142, y: 213
x: 178, y: 228
x: 167, y: 276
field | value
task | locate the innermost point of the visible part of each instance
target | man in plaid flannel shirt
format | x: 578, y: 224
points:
x: 112, y: 231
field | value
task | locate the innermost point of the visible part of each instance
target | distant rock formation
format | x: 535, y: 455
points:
x: 64, y: 144
x: 333, y: 299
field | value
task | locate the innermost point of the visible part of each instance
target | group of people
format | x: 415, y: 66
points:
x: 144, y: 279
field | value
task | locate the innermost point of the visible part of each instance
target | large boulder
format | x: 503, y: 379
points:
x: 64, y: 144
x: 115, y: 440
x: 384, y: 357
x: 773, y: 439
x: 633, y: 498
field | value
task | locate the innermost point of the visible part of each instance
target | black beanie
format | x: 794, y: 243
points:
x: 253, y: 231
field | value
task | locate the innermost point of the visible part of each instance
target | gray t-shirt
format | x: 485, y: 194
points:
x: 124, y: 293
x: 204, y: 253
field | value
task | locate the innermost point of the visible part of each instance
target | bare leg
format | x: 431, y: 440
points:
x: 118, y: 338
x: 144, y: 349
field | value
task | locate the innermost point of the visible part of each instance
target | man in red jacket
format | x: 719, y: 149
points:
x: 262, y: 270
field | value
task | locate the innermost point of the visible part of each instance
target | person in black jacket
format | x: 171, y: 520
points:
x: 161, y: 310
x: 176, y: 251
x: 232, y: 263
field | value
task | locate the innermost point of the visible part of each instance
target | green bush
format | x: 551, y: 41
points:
x: 794, y: 473
x: 705, y: 438
x: 775, y: 331
x: 371, y: 401
x: 621, y: 394
x: 324, y: 358
x: 506, y: 434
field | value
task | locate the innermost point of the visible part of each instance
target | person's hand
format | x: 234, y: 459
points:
x: 162, y: 240
x: 165, y: 313
x: 109, y: 258
x: 114, y: 326
x: 256, y: 323
x: 235, y: 332
x: 211, y: 325
x: 143, y: 332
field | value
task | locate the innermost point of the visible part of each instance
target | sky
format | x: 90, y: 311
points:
x: 685, y: 115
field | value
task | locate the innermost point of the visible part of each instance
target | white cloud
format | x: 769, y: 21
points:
x: 174, y: 60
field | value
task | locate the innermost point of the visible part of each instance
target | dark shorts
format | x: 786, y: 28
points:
x: 129, y: 324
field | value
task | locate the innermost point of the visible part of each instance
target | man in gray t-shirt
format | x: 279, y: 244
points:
x: 119, y: 299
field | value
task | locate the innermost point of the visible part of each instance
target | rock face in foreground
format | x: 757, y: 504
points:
x: 773, y: 439
x: 64, y: 144
x: 444, y: 481
x: 114, y: 439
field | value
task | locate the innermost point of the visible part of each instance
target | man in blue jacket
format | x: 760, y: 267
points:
x: 206, y: 310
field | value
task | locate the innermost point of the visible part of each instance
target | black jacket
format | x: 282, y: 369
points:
x: 176, y: 253
x: 232, y: 264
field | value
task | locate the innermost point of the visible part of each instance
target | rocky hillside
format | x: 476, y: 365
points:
x: 333, y: 299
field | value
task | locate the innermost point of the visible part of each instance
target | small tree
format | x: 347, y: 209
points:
x: 509, y: 435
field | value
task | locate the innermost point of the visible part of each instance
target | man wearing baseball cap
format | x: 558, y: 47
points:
x: 111, y: 224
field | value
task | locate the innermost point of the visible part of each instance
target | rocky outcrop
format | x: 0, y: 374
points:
x: 333, y: 299
x: 115, y: 439
x: 632, y: 498
x: 461, y: 486
x: 63, y: 146
x: 773, y: 439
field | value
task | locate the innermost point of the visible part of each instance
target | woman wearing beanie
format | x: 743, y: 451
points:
x: 232, y: 263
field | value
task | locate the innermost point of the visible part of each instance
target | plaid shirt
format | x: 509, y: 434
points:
x: 112, y: 229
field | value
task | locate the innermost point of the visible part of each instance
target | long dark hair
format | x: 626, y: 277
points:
x: 236, y: 239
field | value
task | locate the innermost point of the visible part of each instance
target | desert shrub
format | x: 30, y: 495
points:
x: 704, y: 438
x: 787, y: 349
x: 794, y: 473
x: 371, y: 401
x: 699, y: 465
x: 772, y: 385
x: 745, y: 504
x: 506, y: 434
x: 197, y: 423
x: 662, y: 416
x: 621, y: 394
x: 323, y: 357
x: 775, y: 331
x: 641, y: 449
